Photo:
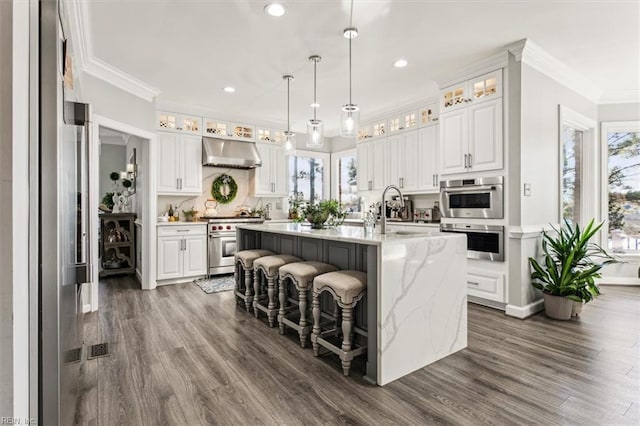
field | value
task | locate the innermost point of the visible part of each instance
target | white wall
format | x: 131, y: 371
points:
x: 6, y: 282
x: 112, y: 159
x: 619, y: 112
x: 116, y: 104
x: 540, y: 148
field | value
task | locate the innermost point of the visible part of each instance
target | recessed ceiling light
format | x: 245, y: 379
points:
x: 229, y: 89
x: 400, y: 63
x: 274, y: 9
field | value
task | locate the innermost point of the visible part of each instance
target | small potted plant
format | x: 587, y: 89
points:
x: 317, y: 214
x: 570, y: 264
x: 296, y: 204
x: 190, y: 215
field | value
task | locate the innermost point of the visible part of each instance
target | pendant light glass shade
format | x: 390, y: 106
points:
x: 349, y: 120
x: 315, y: 131
x: 350, y: 115
x: 315, y: 127
x: 289, y: 136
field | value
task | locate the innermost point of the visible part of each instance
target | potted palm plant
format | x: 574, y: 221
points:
x: 570, y: 264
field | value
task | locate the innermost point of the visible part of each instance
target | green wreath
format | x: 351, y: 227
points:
x: 224, y: 189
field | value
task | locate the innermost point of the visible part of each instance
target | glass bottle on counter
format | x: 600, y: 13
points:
x: 170, y: 210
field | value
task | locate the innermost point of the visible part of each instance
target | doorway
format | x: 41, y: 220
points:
x: 123, y: 180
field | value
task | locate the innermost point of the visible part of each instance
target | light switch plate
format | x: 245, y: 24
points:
x: 527, y: 190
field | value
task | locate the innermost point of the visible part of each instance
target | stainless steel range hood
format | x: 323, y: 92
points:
x: 230, y: 153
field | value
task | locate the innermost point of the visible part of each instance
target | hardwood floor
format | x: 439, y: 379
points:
x: 183, y: 357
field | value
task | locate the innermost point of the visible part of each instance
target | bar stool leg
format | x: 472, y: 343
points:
x: 304, y: 330
x: 283, y: 302
x: 347, y: 329
x: 271, y: 294
x: 336, y: 319
x: 247, y: 289
x: 257, y: 277
x: 315, y: 303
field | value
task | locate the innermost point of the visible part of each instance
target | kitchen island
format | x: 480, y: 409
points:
x: 415, y: 309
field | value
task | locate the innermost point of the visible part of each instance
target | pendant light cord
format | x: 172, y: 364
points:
x: 288, y: 102
x: 315, y: 100
x: 350, y: 103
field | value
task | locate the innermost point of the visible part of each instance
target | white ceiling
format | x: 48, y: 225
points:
x: 189, y: 50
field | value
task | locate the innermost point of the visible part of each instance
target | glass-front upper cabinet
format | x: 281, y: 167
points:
x: 364, y: 133
x: 409, y: 120
x: 214, y: 127
x: 243, y: 132
x: 180, y: 123
x: 428, y: 115
x: 486, y: 87
x: 395, y: 123
x: 482, y: 88
x: 379, y: 129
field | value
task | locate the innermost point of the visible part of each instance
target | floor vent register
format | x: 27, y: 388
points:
x: 99, y: 350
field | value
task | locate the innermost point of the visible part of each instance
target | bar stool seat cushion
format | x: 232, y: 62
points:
x: 303, y: 273
x: 247, y: 257
x: 271, y: 264
x: 347, y: 286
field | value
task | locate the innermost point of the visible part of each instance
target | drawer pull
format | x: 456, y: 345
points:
x: 472, y: 283
x: 183, y: 230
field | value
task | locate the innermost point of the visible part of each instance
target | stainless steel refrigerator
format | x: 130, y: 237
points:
x: 61, y: 226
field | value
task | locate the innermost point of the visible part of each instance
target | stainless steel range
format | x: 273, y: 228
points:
x: 222, y: 241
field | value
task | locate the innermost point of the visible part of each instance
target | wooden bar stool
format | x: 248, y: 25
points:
x: 268, y: 267
x: 347, y: 288
x: 243, y: 267
x: 301, y: 275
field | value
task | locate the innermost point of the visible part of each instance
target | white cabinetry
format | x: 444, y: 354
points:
x: 427, y: 159
x: 179, y: 164
x: 486, y: 285
x: 271, y: 177
x: 178, y: 123
x: 371, y: 165
x: 404, y: 161
x: 182, y: 251
x: 471, y: 125
x: 224, y: 129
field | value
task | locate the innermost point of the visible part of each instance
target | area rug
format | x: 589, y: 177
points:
x: 216, y: 284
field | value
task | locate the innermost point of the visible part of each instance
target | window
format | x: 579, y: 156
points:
x: 621, y: 143
x: 578, y: 163
x: 571, y: 172
x: 344, y: 176
x: 307, y: 175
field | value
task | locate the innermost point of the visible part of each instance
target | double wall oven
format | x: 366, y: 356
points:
x: 222, y: 242
x: 478, y: 198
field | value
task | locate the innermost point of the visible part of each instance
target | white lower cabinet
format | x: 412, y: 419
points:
x: 182, y: 251
x: 486, y: 285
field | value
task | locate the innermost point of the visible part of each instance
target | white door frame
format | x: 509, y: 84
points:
x: 148, y: 199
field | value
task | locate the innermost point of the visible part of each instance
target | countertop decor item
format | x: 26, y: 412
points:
x: 326, y: 212
x: 224, y: 189
x: 190, y: 215
x: 570, y: 264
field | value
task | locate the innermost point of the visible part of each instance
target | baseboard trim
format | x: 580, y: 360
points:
x: 618, y: 281
x: 86, y: 308
x: 486, y: 302
x: 525, y: 311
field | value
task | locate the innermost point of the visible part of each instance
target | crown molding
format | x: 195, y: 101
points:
x: 620, y: 97
x: 80, y: 23
x: 529, y: 53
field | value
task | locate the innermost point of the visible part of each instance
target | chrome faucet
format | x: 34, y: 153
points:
x: 383, y: 209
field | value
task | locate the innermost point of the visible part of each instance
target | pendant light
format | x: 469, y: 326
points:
x: 315, y: 127
x: 350, y: 115
x: 289, y: 136
x: 350, y: 112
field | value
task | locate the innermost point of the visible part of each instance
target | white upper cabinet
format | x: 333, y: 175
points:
x: 471, y: 137
x: 229, y: 130
x: 427, y: 159
x: 372, y: 168
x: 428, y: 115
x: 476, y: 90
x: 271, y: 178
x: 179, y: 164
x: 179, y: 123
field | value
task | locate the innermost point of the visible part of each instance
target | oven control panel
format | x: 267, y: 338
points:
x: 222, y: 227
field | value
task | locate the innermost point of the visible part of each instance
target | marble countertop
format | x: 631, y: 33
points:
x: 354, y: 234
